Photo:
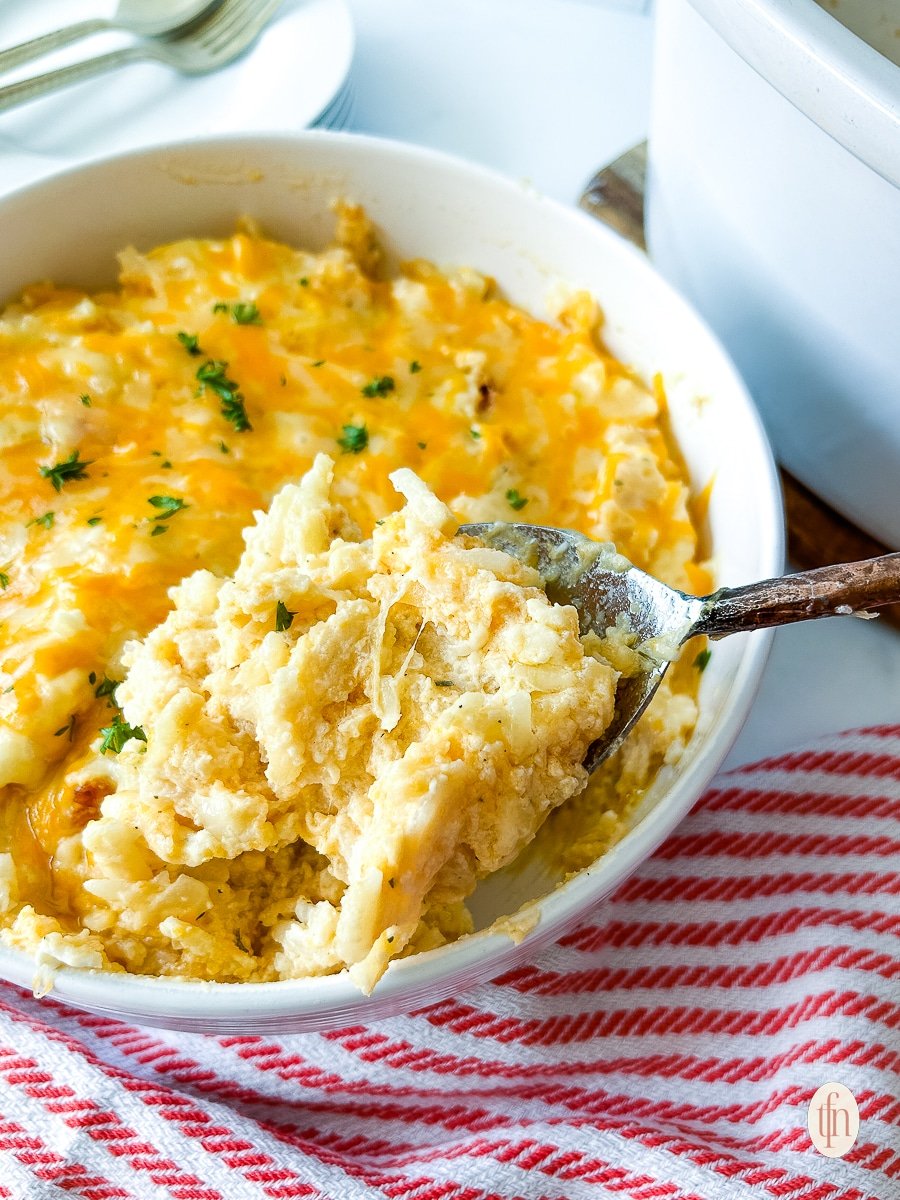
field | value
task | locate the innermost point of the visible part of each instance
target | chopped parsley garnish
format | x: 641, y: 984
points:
x: 212, y: 376
x: 245, y: 314
x: 92, y: 678
x: 94, y: 520
x: 702, y: 659
x: 166, y: 466
x: 168, y: 506
x: 224, y: 448
x: 381, y: 385
x: 68, y: 728
x: 415, y: 367
x: 354, y: 439
x: 320, y: 362
x: 303, y: 281
x: 422, y: 445
x: 106, y: 687
x: 118, y: 733
x: 475, y: 433
x: 515, y: 500
x: 65, y: 471
x: 284, y: 618
x: 4, y: 580
x: 443, y: 683
x: 158, y: 529
x: 46, y: 520
x: 85, y: 400
x: 191, y: 343
x: 220, y: 306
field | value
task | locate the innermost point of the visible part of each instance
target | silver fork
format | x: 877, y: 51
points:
x: 222, y: 37
x: 153, y: 19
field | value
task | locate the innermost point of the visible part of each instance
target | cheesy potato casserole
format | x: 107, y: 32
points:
x: 258, y: 718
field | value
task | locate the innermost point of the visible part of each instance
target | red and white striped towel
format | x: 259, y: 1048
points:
x: 667, y: 1049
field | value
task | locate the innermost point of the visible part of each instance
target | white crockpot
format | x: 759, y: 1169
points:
x: 774, y: 203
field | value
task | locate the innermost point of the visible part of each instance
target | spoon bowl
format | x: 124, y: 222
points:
x: 609, y: 593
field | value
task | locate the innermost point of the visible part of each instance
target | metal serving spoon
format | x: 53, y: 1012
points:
x: 146, y: 18
x: 602, y: 586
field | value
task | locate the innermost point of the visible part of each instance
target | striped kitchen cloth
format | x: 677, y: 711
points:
x: 666, y: 1050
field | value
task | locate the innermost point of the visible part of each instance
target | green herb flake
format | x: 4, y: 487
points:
x: 422, y: 445
x: 118, y: 733
x: 702, y: 660
x: 303, y: 281
x: 93, y: 520
x: 515, y: 500
x: 223, y: 448
x: 166, y: 466
x: 106, y: 687
x: 92, y: 678
x: 284, y: 618
x: 212, y: 376
x: 66, y: 471
x: 245, y: 314
x: 443, y: 683
x: 381, y: 385
x: 46, y: 520
x: 354, y: 439
x: 476, y: 434
x: 168, y: 506
x: 320, y: 362
x: 4, y: 580
x: 220, y: 306
x: 85, y: 400
x: 158, y: 529
x: 415, y: 367
x: 191, y: 343
x: 68, y: 728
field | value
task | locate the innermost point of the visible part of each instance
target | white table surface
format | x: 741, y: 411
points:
x: 548, y: 90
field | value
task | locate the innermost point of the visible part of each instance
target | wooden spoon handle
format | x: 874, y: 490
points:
x: 835, y: 591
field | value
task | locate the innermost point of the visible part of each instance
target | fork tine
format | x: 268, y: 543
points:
x: 241, y: 22
x: 223, y: 19
x: 234, y: 22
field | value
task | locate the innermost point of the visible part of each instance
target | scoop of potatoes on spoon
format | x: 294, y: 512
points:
x: 608, y: 592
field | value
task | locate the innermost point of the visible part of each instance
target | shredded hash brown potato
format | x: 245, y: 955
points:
x: 285, y: 784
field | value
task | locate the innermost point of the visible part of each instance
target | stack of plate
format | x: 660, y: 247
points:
x: 339, y: 113
x: 296, y: 76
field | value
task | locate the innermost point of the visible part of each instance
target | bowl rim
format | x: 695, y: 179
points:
x: 847, y: 87
x: 329, y: 1001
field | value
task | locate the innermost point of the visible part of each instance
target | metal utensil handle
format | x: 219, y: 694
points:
x: 34, y: 48
x: 39, y: 85
x: 827, y: 592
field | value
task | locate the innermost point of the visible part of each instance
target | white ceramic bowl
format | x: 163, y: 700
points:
x: 70, y: 228
x: 773, y: 203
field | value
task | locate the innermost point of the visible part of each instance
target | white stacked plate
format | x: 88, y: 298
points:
x: 296, y: 76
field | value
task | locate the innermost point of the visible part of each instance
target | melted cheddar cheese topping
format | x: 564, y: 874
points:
x: 141, y: 428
